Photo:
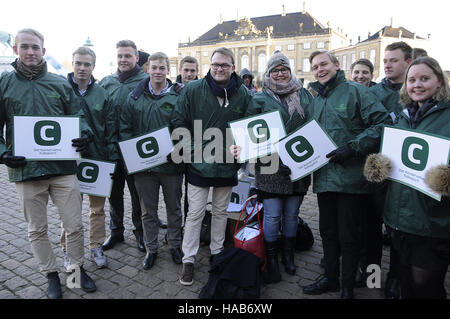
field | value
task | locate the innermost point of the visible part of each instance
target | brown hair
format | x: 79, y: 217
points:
x: 189, y: 59
x: 127, y: 43
x: 318, y: 52
x: 362, y: 61
x: 32, y: 32
x: 160, y: 56
x: 84, y: 51
x: 406, y: 49
x: 224, y: 51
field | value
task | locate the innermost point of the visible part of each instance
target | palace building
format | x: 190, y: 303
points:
x: 297, y: 35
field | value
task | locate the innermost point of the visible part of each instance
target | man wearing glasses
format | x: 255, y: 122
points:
x: 212, y: 102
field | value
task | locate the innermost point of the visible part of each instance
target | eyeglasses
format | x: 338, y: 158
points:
x: 278, y: 71
x: 224, y: 66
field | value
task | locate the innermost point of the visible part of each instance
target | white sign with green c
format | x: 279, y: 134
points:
x: 146, y: 151
x: 304, y: 150
x: 94, y: 177
x: 257, y: 134
x: 412, y: 154
x: 45, y: 138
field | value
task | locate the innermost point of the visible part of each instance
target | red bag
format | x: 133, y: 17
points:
x: 250, y: 236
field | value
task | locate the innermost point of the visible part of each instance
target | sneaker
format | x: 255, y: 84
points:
x: 98, y: 257
x: 66, y: 262
x: 187, y: 274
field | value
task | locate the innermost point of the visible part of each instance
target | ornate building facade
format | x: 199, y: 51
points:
x: 253, y: 41
x: 297, y: 35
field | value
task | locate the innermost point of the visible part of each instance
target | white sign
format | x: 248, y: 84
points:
x: 239, y: 195
x: 304, y: 150
x: 146, y: 151
x: 412, y: 154
x: 46, y: 138
x: 94, y: 177
x: 257, y: 134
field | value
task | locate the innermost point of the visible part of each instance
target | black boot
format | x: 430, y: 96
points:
x: 112, y: 240
x: 361, y: 277
x: 288, y: 255
x: 139, y: 240
x: 272, y: 272
x: 392, y: 288
x: 347, y: 293
x: 87, y: 283
x: 54, y: 286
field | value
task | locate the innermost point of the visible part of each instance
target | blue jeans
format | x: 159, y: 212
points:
x: 279, y: 210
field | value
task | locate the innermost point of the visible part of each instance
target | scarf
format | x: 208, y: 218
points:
x: 323, y: 91
x: 31, y: 71
x: 417, y: 113
x: 287, y: 91
x: 123, y: 76
x: 219, y: 91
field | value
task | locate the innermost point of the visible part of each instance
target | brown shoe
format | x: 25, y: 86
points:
x: 187, y: 274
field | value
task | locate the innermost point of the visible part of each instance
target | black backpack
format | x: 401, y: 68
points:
x: 305, y: 238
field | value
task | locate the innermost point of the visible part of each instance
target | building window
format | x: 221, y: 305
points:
x: 306, y: 45
x: 205, y: 69
x: 372, y: 56
x: 173, y: 70
x: 320, y: 45
x: 291, y: 47
x: 353, y: 57
x: 306, y: 65
x: 292, y: 63
x: 362, y: 54
x: 244, y: 62
x: 205, y: 53
x: 278, y: 48
x: 261, y: 63
x: 344, y: 62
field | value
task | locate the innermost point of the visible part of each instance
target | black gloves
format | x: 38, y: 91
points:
x: 82, y: 142
x: 12, y: 161
x: 341, y: 154
x: 284, y: 170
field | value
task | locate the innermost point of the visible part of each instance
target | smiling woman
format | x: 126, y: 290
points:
x: 420, y: 225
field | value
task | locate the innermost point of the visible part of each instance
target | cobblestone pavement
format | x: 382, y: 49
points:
x: 124, y: 278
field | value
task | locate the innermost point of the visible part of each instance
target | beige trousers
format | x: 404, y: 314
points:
x: 97, y: 229
x: 65, y: 194
x: 198, y: 197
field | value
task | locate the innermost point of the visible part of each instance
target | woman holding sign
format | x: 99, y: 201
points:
x: 281, y: 198
x: 419, y: 225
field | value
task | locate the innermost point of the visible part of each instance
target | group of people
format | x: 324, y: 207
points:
x: 139, y: 98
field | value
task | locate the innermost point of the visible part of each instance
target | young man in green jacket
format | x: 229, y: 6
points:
x: 352, y: 116
x: 148, y: 108
x: 397, y: 58
x: 94, y: 102
x: 118, y: 86
x: 30, y: 90
x: 206, y: 106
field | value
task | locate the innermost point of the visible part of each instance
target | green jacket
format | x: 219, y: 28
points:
x: 118, y: 93
x: 95, y: 105
x: 197, y: 102
x: 389, y: 97
x: 46, y: 95
x: 262, y: 102
x: 144, y: 113
x: 351, y: 114
x: 409, y: 210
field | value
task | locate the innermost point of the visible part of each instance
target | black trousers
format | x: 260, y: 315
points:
x: 340, y: 225
x: 116, y: 202
x: 372, y: 250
